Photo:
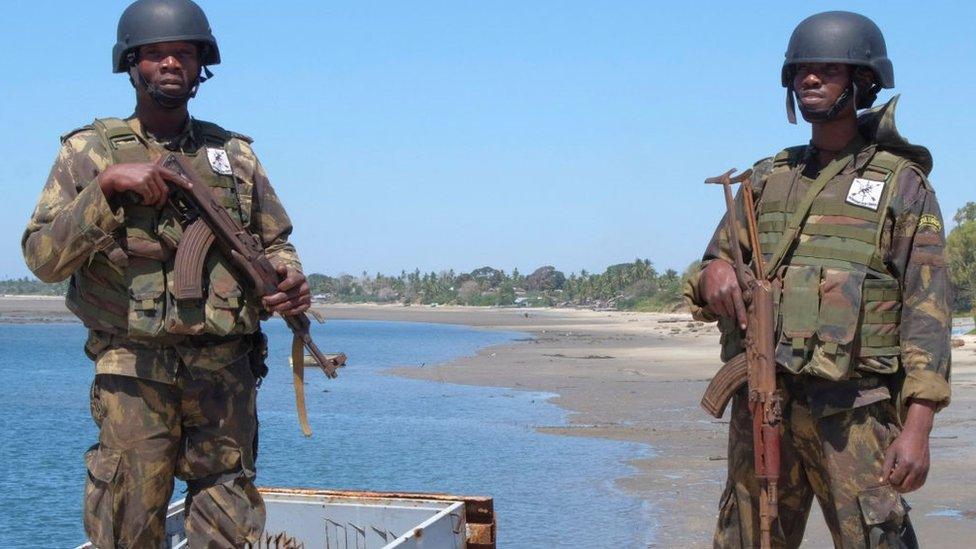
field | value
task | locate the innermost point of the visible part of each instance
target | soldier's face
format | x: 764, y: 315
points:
x: 172, y: 66
x: 819, y: 85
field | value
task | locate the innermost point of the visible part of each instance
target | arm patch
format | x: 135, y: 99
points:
x: 930, y: 221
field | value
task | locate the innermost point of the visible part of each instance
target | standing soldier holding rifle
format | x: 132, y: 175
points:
x: 178, y: 353
x: 846, y: 236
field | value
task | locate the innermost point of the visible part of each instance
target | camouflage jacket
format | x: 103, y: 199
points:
x: 910, y: 251
x: 74, y: 228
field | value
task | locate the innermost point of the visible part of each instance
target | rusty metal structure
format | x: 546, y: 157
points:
x: 334, y: 519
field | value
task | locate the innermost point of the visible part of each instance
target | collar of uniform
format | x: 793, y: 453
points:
x: 184, y: 139
x: 858, y: 146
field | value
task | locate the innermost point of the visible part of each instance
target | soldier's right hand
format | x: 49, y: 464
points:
x: 147, y: 180
x: 719, y: 288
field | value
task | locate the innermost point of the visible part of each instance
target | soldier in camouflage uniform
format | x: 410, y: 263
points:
x: 853, y: 239
x: 175, y: 380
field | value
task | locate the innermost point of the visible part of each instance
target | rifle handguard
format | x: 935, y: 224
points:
x: 729, y: 378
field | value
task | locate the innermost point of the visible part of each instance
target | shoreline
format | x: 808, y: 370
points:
x: 637, y: 377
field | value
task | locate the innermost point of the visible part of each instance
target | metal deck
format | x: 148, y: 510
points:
x: 301, y: 518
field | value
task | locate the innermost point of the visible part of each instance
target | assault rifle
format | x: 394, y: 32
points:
x: 756, y: 367
x: 207, y: 222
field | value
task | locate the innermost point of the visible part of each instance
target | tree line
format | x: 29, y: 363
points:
x: 961, y: 254
x: 635, y: 285
x: 32, y: 286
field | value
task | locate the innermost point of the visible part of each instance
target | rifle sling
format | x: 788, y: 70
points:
x: 799, y: 216
x: 298, y: 379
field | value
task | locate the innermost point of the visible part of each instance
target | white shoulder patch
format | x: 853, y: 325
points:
x: 866, y: 193
x: 219, y: 161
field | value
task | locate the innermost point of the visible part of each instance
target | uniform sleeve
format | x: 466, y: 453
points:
x: 693, y: 298
x: 271, y: 222
x: 917, y: 256
x: 72, y: 220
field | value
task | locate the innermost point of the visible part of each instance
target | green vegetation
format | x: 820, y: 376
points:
x: 30, y: 286
x: 961, y: 252
x: 631, y: 286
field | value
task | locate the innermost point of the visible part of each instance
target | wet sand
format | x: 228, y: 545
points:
x: 22, y: 309
x: 638, y: 377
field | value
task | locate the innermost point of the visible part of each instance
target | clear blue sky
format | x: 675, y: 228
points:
x: 460, y: 134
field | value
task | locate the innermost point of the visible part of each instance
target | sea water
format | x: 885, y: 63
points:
x: 372, y: 431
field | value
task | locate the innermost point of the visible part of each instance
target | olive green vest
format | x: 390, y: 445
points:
x: 839, y: 302
x: 131, y: 293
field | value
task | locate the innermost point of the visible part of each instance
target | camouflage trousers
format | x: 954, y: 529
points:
x: 838, y: 458
x: 201, y: 430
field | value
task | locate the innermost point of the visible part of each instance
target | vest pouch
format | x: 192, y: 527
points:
x: 882, y: 318
x: 169, y: 230
x: 99, y: 296
x: 840, y: 309
x: 225, y: 303
x: 147, y: 284
x: 184, y: 316
x: 799, y: 310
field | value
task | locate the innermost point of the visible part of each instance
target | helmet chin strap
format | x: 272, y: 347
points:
x: 821, y: 115
x: 163, y: 99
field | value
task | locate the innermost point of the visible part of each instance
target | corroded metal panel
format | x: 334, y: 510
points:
x: 299, y: 518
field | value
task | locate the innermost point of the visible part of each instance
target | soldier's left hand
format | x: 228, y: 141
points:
x: 906, y: 464
x: 293, y: 297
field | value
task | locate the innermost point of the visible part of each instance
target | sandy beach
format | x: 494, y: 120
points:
x: 638, y: 377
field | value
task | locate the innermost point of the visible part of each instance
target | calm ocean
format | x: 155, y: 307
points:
x: 372, y: 432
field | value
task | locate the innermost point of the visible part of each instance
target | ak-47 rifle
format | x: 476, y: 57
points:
x: 756, y: 366
x: 206, y: 222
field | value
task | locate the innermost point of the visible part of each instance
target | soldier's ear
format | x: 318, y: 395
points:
x: 863, y: 77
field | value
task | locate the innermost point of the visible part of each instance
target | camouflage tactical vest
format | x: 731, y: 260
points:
x: 131, y: 293
x: 839, y: 303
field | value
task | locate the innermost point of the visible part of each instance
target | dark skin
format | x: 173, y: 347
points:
x: 173, y: 67
x: 818, y: 85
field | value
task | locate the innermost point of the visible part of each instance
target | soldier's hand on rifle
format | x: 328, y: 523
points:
x: 720, y: 290
x: 293, y: 295
x: 146, y: 180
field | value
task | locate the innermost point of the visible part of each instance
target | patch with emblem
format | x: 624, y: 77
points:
x: 219, y: 161
x: 865, y: 193
x: 931, y: 221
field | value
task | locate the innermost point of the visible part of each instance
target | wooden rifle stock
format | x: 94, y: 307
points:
x: 757, y: 365
x: 207, y: 222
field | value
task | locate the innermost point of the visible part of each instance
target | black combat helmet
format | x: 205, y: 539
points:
x: 839, y: 37
x: 154, y: 21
